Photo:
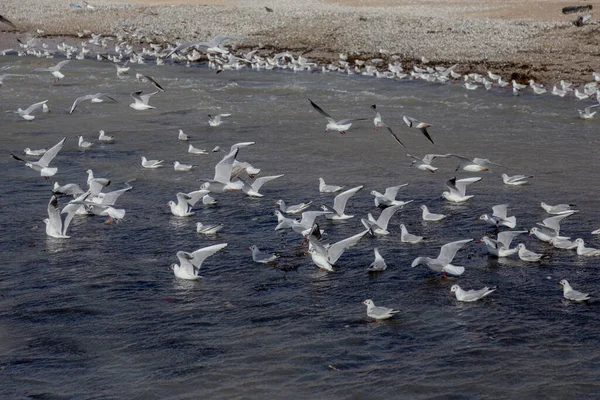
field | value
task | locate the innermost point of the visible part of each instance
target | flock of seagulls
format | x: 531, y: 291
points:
x: 232, y: 175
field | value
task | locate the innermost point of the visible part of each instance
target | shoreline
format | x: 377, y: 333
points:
x: 479, y: 36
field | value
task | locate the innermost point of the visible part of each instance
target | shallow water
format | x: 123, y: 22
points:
x: 101, y: 316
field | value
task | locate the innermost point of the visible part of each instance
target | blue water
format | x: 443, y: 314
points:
x: 101, y: 316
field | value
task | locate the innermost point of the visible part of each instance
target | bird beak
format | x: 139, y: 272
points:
x: 362, y: 302
x: 449, y: 292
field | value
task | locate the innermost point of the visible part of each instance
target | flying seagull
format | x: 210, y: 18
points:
x: 341, y: 126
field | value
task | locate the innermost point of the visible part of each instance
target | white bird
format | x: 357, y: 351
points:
x: 208, y: 200
x: 388, y: 198
x: 325, y: 257
x: 26, y: 113
x: 528, y: 255
x: 499, y: 217
x: 341, y: 126
x: 425, y: 163
x: 84, y: 144
x: 195, y: 150
x: 500, y: 247
x: 29, y: 152
x: 379, y: 226
x: 429, y: 216
x: 406, y: 237
x: 253, y: 188
x: 45, y: 108
x: 191, y: 262
x: 562, y: 243
x: 141, y: 101
x: 378, y: 122
x: 183, y: 167
x: 474, y: 165
x: 339, y: 204
x: 470, y: 295
x: 422, y: 126
x: 293, y: 209
x: 70, y: 189
x: 558, y: 209
x: 262, y: 257
x: 104, y: 138
x: 43, y: 164
x: 585, y: 251
x: 550, y: 227
x: 596, y: 232
x: 458, y: 189
x: 443, y: 261
x: 55, y: 70
x: 210, y: 229
x: 518, y: 86
x: 324, y: 188
x: 571, y: 294
x: 378, y: 313
x: 182, y: 136
x: 222, y: 179
x: 55, y: 226
x: 515, y: 180
x: 185, y: 203
x: 378, y: 263
x: 587, y: 113
x: 216, y: 120
x: 150, y: 164
x: 94, y: 98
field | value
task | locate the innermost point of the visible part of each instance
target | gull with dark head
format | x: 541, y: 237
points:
x: 415, y: 123
x: 341, y: 126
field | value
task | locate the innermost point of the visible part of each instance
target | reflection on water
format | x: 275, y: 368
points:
x: 104, y: 309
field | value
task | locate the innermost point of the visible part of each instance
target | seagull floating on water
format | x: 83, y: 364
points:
x: 210, y: 229
x: 571, y: 294
x: 43, y: 164
x: 499, y: 217
x: 151, y: 164
x: 378, y: 263
x: 339, y: 205
x: 324, y: 188
x: 458, y: 189
x: 443, y: 261
x: 515, y: 180
x: 470, y: 295
x: 216, y: 120
x: 191, y: 262
x: 500, y: 247
x: 378, y: 313
x: 262, y: 257
x: 429, y: 216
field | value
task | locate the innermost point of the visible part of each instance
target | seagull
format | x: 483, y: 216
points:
x: 587, y: 112
x: 422, y: 126
x: 341, y: 126
x: 388, y: 198
x: 585, y: 251
x: 558, y: 209
x: 252, y: 189
x: 141, y: 101
x: 551, y: 226
x: 339, y: 204
x: 324, y: 188
x: 222, y: 179
x: 94, y: 98
x: 499, y: 217
x: 142, y: 78
x: 195, y: 150
x: 475, y: 165
x: 26, y: 113
x: 429, y: 216
x: 54, y: 70
x: 470, y: 295
x: 104, y: 138
x: 379, y: 226
x: 515, y: 180
x: 378, y: 264
x: 70, y: 189
x: 216, y: 119
x: 378, y: 122
x: 325, y: 257
x: 293, y: 209
x: 182, y: 136
x: 211, y: 229
x: 183, y: 167
x: 458, y: 188
x: 378, y: 313
x: 191, y: 262
x: 36, y: 153
x: 443, y: 262
x: 99, y: 181
x: 262, y: 257
x: 571, y: 294
x: 562, y: 243
x: 55, y: 226
x: 150, y: 164
x: 528, y: 255
x: 185, y: 202
x: 406, y: 237
x: 204, y: 46
x: 425, y: 163
x: 500, y: 247
x: 42, y: 165
x: 121, y: 70
x: 83, y: 144
x: 208, y: 200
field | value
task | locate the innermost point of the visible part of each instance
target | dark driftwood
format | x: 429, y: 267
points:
x: 576, y: 9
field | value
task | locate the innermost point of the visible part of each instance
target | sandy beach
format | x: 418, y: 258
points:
x: 520, y: 39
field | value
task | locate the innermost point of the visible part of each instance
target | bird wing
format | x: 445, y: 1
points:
x: 448, y: 251
x: 462, y: 184
x: 335, y: 251
x: 428, y: 159
x: 505, y: 238
x: 146, y: 97
x: 153, y: 82
x: 484, y: 162
x: 451, y: 185
x: 384, y: 217
x: 110, y: 198
x: 224, y: 167
x: 409, y: 121
x: 54, y: 214
x: 240, y: 145
x: 61, y: 64
x: 202, y: 254
x: 320, y: 110
x: 394, y: 135
x: 500, y: 211
x: 83, y: 98
x: 193, y: 197
x: 424, y: 132
x: 34, y: 107
x: 257, y: 184
x: 392, y: 191
x: 308, y: 217
x: 339, y: 202
x: 554, y: 222
x: 50, y: 154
